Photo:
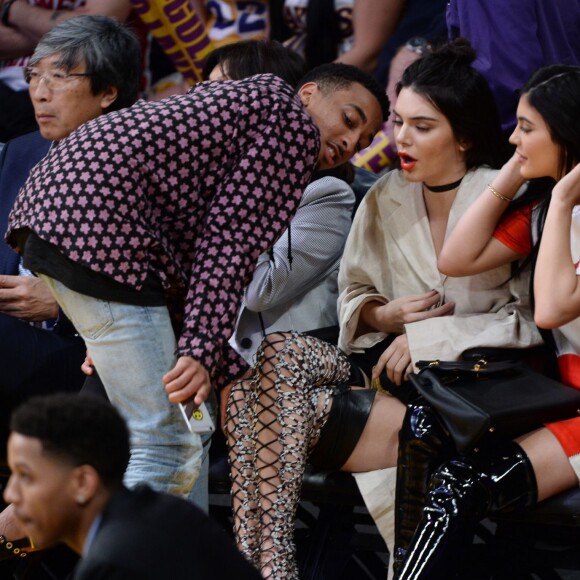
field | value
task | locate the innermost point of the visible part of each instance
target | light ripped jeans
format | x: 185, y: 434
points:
x: 132, y: 348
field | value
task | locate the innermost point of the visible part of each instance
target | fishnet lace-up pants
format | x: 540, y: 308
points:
x: 273, y: 420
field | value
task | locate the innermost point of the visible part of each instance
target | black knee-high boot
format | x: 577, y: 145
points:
x: 461, y: 493
x: 424, y: 445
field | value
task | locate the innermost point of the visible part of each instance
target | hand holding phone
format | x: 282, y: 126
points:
x: 198, y: 419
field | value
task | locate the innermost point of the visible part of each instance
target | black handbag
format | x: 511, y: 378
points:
x: 475, y: 398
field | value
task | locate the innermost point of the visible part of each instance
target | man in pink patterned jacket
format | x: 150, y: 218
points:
x: 171, y: 203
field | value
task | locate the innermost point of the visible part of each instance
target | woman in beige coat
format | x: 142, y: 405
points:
x: 306, y: 399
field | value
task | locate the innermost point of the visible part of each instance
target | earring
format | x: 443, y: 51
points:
x: 81, y: 500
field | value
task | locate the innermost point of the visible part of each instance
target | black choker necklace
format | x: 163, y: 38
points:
x: 442, y: 188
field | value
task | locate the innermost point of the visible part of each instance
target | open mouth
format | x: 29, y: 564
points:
x: 407, y: 162
x: 333, y: 154
x: 330, y: 155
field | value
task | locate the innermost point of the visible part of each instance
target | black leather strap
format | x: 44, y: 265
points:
x: 9, y: 549
x: 346, y: 421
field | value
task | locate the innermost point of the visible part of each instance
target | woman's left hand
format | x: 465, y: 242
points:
x: 396, y: 359
x: 567, y: 190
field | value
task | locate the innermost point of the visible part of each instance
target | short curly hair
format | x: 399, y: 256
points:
x: 336, y: 76
x: 79, y: 430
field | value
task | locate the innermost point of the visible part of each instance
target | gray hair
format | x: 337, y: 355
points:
x: 110, y: 51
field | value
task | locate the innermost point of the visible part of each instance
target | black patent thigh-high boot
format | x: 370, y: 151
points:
x: 424, y: 445
x: 462, y: 492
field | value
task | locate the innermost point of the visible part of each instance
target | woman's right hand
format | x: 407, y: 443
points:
x: 509, y: 179
x: 396, y: 361
x: 392, y: 316
x: 567, y: 190
x: 471, y: 247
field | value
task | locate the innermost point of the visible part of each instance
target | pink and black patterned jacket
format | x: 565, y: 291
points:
x: 192, y: 189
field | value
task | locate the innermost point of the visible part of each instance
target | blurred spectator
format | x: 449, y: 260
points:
x: 421, y: 18
x: 250, y: 57
x: 226, y: 22
x: 67, y: 455
x: 350, y: 31
x: 421, y: 25
x: 229, y: 21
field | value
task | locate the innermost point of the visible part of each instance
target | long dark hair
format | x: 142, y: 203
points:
x: 251, y: 57
x: 554, y: 92
x: 447, y: 79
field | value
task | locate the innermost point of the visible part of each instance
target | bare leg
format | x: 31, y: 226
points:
x: 379, y: 441
x: 282, y: 419
x: 552, y: 468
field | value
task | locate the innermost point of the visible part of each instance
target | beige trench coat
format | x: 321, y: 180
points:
x: 389, y: 254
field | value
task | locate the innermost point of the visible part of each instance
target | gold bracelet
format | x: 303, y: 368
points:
x: 498, y: 194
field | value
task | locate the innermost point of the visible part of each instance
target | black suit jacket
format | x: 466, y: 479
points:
x: 146, y: 535
x: 17, y: 158
x: 32, y: 361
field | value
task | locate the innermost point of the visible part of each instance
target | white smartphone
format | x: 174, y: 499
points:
x: 198, y: 419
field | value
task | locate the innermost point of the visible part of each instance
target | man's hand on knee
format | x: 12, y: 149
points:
x: 188, y: 379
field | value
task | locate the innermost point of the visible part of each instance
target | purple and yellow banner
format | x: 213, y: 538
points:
x: 377, y: 155
x: 180, y: 33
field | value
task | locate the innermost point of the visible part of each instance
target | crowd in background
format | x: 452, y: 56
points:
x: 180, y: 229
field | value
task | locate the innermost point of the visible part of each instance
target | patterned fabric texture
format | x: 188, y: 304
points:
x: 273, y: 421
x: 191, y: 189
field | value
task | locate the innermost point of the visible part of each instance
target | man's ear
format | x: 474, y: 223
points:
x: 306, y: 92
x: 109, y: 96
x: 86, y: 482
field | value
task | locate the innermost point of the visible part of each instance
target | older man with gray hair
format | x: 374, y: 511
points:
x: 82, y: 68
